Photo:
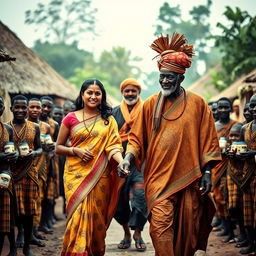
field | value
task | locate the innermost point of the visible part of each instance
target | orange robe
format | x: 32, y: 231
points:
x: 174, y: 156
x: 219, y: 177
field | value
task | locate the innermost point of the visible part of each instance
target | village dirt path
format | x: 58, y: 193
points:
x: 114, y: 235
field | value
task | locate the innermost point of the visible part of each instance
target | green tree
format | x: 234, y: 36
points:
x: 196, y: 30
x: 237, y: 43
x: 119, y: 64
x: 92, y: 70
x: 151, y: 82
x: 111, y: 68
x: 62, y: 57
x: 63, y: 21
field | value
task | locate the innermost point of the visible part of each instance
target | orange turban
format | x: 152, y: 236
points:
x: 174, y: 55
x: 130, y: 81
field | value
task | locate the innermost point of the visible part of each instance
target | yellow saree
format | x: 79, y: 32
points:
x: 92, y: 188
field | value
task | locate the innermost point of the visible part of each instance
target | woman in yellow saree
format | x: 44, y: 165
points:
x: 90, y: 181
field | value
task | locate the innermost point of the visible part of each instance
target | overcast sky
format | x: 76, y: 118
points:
x: 126, y: 23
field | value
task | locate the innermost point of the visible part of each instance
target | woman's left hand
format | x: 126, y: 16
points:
x: 84, y: 154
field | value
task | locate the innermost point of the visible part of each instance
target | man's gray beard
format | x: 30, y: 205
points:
x: 167, y: 92
x: 130, y: 102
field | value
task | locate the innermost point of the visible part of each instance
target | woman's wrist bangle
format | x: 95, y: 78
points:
x: 73, y: 151
x: 209, y: 172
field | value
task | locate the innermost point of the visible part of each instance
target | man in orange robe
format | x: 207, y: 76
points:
x: 174, y: 135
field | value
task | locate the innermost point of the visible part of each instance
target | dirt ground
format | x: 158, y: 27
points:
x: 53, y: 246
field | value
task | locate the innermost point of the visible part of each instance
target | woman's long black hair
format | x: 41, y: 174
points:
x: 104, y: 108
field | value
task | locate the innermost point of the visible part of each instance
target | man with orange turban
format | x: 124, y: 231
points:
x: 131, y: 210
x: 174, y: 134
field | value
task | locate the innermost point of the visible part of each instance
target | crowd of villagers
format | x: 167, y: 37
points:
x: 234, y: 181
x: 85, y: 137
x: 27, y: 155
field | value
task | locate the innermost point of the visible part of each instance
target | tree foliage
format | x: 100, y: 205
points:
x: 62, y: 57
x: 63, y: 20
x: 120, y: 64
x: 92, y: 71
x: 237, y: 43
x: 111, y: 69
x: 196, y: 30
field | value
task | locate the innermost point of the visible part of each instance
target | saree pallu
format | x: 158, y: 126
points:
x: 91, y: 188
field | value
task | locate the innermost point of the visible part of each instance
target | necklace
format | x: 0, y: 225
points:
x: 89, y: 132
x: 22, y: 132
x: 184, y: 106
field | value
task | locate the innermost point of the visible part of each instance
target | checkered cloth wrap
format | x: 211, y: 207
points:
x: 40, y: 161
x: 249, y: 196
x: 37, y: 218
x: 26, y: 186
x: 6, y: 210
x: 235, y: 195
x: 52, y: 167
x: 26, y: 191
x: 6, y: 195
x: 51, y: 189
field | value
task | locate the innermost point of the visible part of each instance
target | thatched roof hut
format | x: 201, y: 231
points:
x: 29, y: 74
x: 5, y: 56
x: 243, y: 89
x: 203, y: 86
x: 240, y: 88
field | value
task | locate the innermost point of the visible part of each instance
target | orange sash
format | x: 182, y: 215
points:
x: 129, y: 117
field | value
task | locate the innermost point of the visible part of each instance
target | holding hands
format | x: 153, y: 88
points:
x: 123, y: 168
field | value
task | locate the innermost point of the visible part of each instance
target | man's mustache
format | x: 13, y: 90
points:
x: 130, y: 97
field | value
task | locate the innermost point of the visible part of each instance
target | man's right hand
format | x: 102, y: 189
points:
x: 123, y: 168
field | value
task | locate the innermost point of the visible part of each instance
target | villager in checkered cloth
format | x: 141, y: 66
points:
x: 25, y: 175
x: 6, y: 195
x: 249, y: 195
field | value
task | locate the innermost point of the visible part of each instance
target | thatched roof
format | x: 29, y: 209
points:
x: 5, y: 57
x: 203, y: 87
x: 29, y: 73
x: 241, y: 84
